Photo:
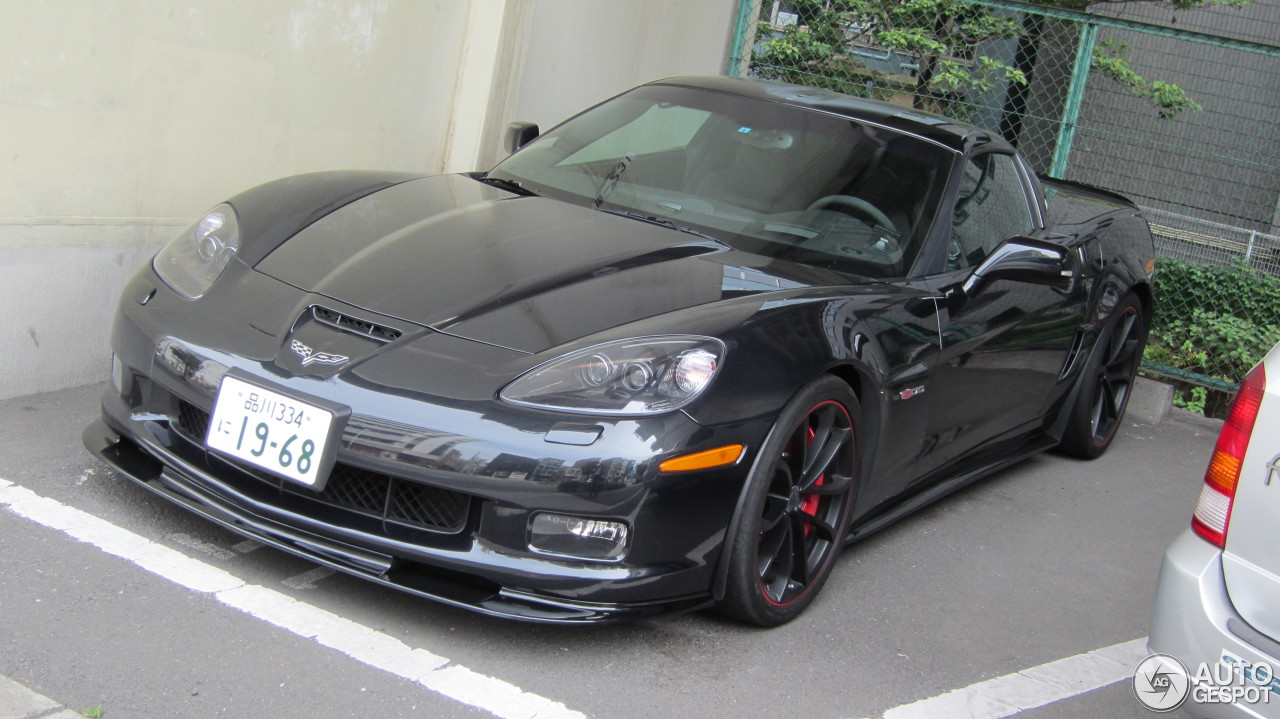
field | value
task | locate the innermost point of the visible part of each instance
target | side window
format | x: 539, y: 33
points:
x: 660, y: 128
x: 991, y: 208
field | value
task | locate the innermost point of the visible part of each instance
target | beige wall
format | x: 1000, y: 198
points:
x: 120, y: 120
x: 145, y: 108
x: 567, y: 55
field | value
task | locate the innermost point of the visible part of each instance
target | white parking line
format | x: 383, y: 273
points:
x: 1030, y: 688
x: 365, y: 645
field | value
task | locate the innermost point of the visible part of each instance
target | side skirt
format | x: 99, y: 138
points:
x: 880, y: 520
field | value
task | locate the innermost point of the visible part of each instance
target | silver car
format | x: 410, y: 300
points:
x: 1217, y: 606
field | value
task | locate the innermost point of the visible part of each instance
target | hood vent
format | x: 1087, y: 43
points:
x: 354, y: 325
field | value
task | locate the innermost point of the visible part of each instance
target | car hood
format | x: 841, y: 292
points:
x: 527, y: 273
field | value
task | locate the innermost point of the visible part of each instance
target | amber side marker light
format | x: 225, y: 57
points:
x: 1213, y: 510
x: 703, y: 460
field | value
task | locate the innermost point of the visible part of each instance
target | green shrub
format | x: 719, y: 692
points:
x: 1182, y: 287
x: 1194, y: 399
x: 1212, y: 321
x: 1210, y: 343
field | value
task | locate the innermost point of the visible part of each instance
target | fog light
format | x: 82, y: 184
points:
x: 577, y: 537
x: 117, y: 374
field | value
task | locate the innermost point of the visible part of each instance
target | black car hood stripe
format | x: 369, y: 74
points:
x: 527, y: 273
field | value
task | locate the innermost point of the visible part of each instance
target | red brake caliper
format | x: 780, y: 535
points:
x: 810, y: 504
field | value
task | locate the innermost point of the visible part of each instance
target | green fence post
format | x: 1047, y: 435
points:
x: 1075, y: 96
x: 736, y: 49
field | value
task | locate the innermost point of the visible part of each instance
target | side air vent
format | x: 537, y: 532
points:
x: 1073, y: 355
x: 354, y: 325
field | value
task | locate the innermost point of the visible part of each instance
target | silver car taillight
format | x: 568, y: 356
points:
x: 1213, y: 510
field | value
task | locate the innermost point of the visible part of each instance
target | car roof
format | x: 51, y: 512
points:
x: 951, y: 133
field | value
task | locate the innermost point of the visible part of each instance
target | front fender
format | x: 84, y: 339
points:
x: 864, y: 334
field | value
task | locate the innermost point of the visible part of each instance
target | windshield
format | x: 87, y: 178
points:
x: 767, y: 178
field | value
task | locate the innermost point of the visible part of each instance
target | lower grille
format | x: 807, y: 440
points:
x: 356, y: 489
x: 422, y: 506
x: 359, y: 490
x: 193, y: 421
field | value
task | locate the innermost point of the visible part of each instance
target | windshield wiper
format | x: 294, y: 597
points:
x: 508, y: 185
x: 663, y: 222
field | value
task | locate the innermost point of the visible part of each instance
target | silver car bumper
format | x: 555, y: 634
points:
x: 1194, y: 620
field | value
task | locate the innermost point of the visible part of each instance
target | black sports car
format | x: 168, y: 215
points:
x: 678, y: 351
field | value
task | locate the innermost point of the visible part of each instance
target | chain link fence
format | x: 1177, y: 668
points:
x: 1178, y: 110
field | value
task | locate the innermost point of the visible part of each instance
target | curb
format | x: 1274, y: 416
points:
x: 19, y: 702
x: 1151, y: 401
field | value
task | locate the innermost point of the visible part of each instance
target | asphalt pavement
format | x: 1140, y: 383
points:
x: 1051, y: 560
x: 19, y: 702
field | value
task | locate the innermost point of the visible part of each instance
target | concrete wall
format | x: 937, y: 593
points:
x: 575, y: 53
x: 121, y: 120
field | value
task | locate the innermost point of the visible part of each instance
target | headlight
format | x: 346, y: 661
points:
x: 646, y: 375
x: 192, y: 261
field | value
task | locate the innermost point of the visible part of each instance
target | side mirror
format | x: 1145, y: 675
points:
x: 1023, y: 259
x: 519, y: 134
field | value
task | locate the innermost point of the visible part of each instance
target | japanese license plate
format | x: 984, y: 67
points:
x: 267, y: 429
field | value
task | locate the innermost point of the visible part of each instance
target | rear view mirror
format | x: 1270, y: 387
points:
x: 519, y: 134
x: 1022, y: 259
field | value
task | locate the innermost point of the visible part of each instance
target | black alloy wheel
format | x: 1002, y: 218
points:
x: 796, y: 513
x: 1107, y: 381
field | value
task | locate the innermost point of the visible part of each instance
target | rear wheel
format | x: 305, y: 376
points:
x: 1107, y: 381
x: 796, y: 510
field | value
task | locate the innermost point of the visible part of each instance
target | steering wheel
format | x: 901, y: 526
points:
x: 857, y: 206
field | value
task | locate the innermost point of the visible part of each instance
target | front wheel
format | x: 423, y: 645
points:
x: 796, y: 508
x: 1107, y: 381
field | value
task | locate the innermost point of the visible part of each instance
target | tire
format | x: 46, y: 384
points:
x: 797, y: 506
x: 1106, y: 382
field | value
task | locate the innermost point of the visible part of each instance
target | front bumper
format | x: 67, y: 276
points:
x: 178, y: 482
x: 440, y: 481
x: 476, y: 557
x: 1194, y: 620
